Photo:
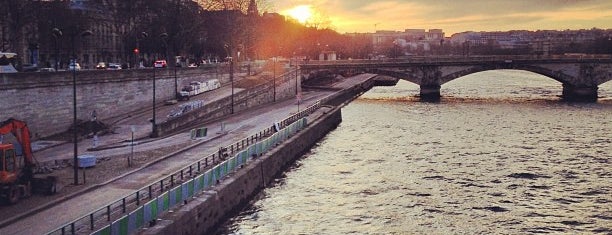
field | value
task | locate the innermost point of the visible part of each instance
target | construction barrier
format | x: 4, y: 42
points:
x: 130, y: 223
x: 198, y: 133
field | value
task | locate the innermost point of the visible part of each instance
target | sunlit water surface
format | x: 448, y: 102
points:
x: 500, y: 154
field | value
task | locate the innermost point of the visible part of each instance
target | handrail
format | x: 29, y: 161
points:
x: 101, y: 217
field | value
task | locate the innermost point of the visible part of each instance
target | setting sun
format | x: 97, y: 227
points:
x: 301, y: 13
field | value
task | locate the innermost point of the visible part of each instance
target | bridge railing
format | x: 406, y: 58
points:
x: 132, y: 204
x: 471, y: 58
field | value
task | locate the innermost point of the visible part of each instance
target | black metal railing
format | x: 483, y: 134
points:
x: 106, y: 214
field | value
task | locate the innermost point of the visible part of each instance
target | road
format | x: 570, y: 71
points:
x: 240, y: 126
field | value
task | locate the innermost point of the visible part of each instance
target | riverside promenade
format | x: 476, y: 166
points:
x: 45, y: 214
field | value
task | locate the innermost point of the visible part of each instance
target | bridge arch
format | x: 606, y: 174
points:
x: 559, y: 77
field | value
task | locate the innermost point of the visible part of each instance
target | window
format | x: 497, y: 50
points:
x: 10, y: 159
x: 1, y: 160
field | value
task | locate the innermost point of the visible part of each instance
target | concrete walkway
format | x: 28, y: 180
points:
x: 240, y: 126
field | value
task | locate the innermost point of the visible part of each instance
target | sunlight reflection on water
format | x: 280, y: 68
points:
x: 500, y: 154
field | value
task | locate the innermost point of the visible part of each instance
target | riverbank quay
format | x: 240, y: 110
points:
x: 83, y: 199
x: 202, y: 214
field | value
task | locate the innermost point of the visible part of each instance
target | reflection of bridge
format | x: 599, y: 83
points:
x: 580, y: 76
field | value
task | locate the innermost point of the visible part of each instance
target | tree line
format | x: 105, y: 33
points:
x: 197, y: 29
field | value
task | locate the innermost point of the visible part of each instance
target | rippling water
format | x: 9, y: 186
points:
x: 500, y: 154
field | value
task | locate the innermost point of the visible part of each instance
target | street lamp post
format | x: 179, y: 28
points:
x: 228, y: 50
x: 153, y: 123
x: 74, y: 104
x: 154, y: 133
x: 232, y: 80
x: 274, y: 78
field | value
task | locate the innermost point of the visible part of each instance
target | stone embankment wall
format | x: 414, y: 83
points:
x: 286, y: 88
x: 202, y: 214
x: 45, y: 100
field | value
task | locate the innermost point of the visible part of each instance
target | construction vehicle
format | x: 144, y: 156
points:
x: 17, y: 165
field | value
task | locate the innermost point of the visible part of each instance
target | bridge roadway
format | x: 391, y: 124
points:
x: 240, y: 126
x: 579, y: 75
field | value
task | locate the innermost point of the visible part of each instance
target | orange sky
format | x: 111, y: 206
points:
x: 459, y: 15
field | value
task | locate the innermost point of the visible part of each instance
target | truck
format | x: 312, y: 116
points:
x: 17, y: 165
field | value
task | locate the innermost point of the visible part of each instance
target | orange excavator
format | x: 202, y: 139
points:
x: 17, y: 165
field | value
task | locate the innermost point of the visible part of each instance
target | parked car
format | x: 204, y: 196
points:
x: 101, y: 65
x: 113, y: 66
x: 160, y: 64
x: 74, y: 66
x: 46, y: 70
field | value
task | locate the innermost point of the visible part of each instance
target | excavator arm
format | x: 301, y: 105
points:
x: 20, y: 130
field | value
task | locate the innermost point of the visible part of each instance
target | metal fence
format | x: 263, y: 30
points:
x: 130, y: 212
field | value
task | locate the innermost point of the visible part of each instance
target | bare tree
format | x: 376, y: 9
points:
x: 241, y: 5
x: 16, y: 24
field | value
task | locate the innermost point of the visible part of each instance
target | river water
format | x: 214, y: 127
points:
x: 500, y: 154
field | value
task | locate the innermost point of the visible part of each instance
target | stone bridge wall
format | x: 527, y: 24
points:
x: 580, y: 77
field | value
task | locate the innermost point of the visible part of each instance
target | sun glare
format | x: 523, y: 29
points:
x: 301, y: 13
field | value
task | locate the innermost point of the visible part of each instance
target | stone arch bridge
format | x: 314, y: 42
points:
x: 579, y: 75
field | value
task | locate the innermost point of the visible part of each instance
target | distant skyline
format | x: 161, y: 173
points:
x: 454, y: 16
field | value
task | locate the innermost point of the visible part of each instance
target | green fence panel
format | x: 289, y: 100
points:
x: 120, y: 226
x: 150, y: 210
x: 106, y: 230
x: 190, y: 188
x: 198, y: 183
x: 198, y: 133
x: 245, y: 157
x: 176, y: 195
x: 184, y: 191
x: 266, y: 145
x: 135, y: 220
x: 259, y: 148
x: 163, y: 202
x: 252, y: 150
x: 172, y: 197
x: 232, y: 164
x: 238, y: 159
x: 210, y: 178
x: 224, y: 168
x: 202, y: 132
x: 217, y: 173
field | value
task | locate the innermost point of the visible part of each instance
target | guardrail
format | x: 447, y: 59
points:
x: 128, y: 213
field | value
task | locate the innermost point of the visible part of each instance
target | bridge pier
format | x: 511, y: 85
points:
x: 582, y: 94
x: 430, y: 92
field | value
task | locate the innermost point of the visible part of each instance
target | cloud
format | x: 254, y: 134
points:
x: 463, y: 15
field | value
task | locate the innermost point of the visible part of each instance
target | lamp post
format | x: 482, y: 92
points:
x: 232, y: 80
x: 154, y: 133
x: 274, y: 78
x: 74, y: 104
x: 228, y: 50
x: 153, y: 124
x: 56, y: 34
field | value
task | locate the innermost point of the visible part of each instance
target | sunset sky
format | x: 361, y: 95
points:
x: 455, y: 16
